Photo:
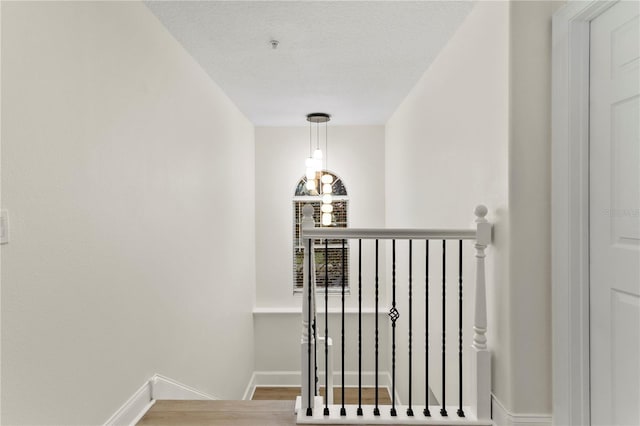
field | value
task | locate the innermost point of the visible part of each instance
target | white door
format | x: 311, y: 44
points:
x: 615, y: 216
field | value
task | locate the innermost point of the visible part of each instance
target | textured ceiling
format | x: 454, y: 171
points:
x: 355, y: 60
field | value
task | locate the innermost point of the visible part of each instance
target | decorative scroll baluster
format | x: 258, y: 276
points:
x: 426, y: 411
x: 326, y: 327
x: 359, y: 411
x: 481, y: 360
x: 343, y: 411
x: 409, y: 409
x: 460, y: 412
x: 443, y: 410
x: 376, y: 409
x: 393, y: 314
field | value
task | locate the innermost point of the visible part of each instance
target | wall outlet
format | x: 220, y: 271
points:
x: 4, y: 226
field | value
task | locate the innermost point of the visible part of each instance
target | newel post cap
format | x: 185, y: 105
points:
x: 307, y: 211
x: 307, y: 218
x: 483, y: 227
x: 480, y: 212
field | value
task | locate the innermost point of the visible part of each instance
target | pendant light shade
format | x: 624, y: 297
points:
x: 311, y: 173
x: 311, y: 185
x: 317, y: 158
x: 327, y: 178
x: 327, y: 208
x: 310, y: 163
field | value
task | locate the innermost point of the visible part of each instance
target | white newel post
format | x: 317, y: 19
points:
x: 308, y: 367
x: 481, y: 358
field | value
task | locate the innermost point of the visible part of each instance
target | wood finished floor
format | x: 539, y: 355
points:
x: 263, y: 393
x: 271, y: 406
x: 223, y: 413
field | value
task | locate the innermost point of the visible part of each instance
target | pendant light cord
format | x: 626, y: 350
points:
x: 310, y: 142
x: 326, y: 147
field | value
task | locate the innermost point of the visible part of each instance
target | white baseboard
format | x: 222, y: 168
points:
x: 135, y: 407
x: 502, y: 417
x: 166, y: 388
x: 250, y: 389
x: 156, y: 388
x: 292, y: 378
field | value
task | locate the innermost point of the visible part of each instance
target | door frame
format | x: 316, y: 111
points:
x: 570, y: 210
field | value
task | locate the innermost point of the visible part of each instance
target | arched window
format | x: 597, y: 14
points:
x: 301, y: 197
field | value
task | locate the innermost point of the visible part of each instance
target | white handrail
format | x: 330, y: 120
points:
x: 480, y: 404
x: 382, y: 234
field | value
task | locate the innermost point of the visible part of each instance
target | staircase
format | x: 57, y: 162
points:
x: 367, y: 406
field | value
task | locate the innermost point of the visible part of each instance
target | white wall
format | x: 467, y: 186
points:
x: 129, y: 179
x: 356, y: 154
x: 476, y: 129
x: 115, y: 151
x: 530, y: 205
x: 446, y: 152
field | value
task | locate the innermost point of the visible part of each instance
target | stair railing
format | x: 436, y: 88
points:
x: 315, y: 409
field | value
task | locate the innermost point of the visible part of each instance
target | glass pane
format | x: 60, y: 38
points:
x: 333, y: 267
x: 338, y: 187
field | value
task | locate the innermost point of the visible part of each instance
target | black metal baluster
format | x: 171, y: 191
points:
x: 343, y: 411
x: 443, y: 411
x: 309, y: 410
x: 326, y: 327
x: 316, y: 381
x: 410, y: 410
x: 376, y: 410
x: 460, y: 412
x: 359, y: 412
x: 426, y: 411
x: 315, y: 355
x: 393, y: 314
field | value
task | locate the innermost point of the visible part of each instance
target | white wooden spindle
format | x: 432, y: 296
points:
x: 307, y: 339
x: 481, y: 358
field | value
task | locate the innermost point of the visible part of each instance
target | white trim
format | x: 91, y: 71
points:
x: 385, y: 418
x: 503, y: 417
x: 166, y: 388
x: 250, y: 389
x: 332, y: 311
x: 315, y: 198
x: 158, y: 387
x: 397, y: 233
x: 135, y: 407
x: 569, y: 211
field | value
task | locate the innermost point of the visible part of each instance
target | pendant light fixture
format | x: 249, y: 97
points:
x: 317, y: 181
